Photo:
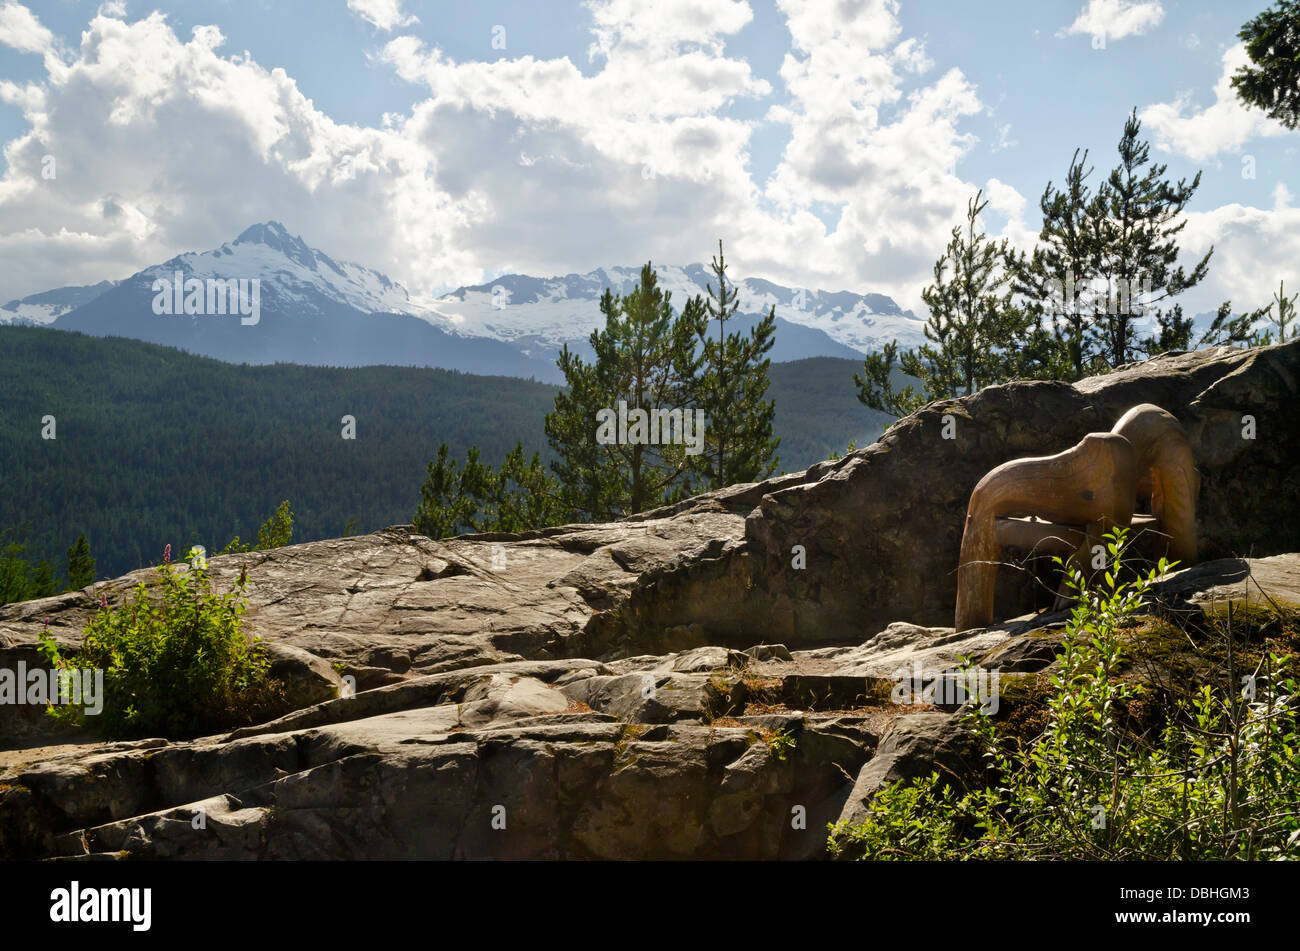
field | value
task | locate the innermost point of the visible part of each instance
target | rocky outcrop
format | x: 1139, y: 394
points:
x: 711, y: 679
x: 882, y: 527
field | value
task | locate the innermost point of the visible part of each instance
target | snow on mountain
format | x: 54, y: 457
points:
x: 45, y: 307
x: 544, y: 313
x: 291, y: 273
x: 533, y: 316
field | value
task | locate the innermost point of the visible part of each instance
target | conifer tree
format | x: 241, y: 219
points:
x: 644, y: 360
x: 731, y: 389
x: 973, y: 329
x: 81, y: 567
x: 1272, y: 80
x: 14, y: 580
x: 876, y: 382
x: 1137, y: 252
x: 1286, y: 330
x: 589, y: 482
x: 1053, y: 282
x: 455, y: 499
x: 1227, y: 330
x: 42, y: 584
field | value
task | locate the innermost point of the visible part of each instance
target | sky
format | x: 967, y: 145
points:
x: 830, y: 144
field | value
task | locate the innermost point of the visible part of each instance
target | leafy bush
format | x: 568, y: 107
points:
x: 176, y: 665
x: 1216, y: 780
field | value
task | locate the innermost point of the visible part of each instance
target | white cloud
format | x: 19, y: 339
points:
x: 384, y: 14
x: 1254, y: 248
x: 165, y: 145
x: 860, y: 141
x: 1116, y: 19
x: 1006, y: 200
x: 1223, y: 127
x: 20, y: 29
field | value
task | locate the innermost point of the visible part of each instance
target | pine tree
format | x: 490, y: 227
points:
x: 14, y: 580
x: 1137, y: 224
x: 730, y: 388
x: 645, y: 361
x: 81, y: 567
x: 973, y: 329
x: 1227, y: 330
x: 1053, y: 282
x: 1272, y: 81
x: 42, y: 584
x: 876, y: 382
x: 590, y: 482
x: 276, y: 531
x: 1283, y: 320
x: 972, y: 324
x: 455, y: 500
x: 452, y: 497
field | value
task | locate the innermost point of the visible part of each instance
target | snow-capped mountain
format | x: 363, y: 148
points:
x: 309, y: 308
x: 292, y: 273
x: 315, y: 309
x: 541, y: 314
x: 44, y: 308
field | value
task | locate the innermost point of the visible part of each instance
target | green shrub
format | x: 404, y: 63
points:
x: 175, y: 665
x: 1216, y: 781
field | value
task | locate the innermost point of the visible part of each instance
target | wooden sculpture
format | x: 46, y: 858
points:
x: 1166, y: 474
x: 1067, y: 502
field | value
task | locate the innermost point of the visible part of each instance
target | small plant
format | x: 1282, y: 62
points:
x: 629, y: 734
x: 779, y: 742
x: 176, y: 665
x: 724, y: 694
x: 1213, y: 778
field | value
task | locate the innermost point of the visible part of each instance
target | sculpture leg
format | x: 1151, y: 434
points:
x: 1095, y: 481
x: 977, y: 571
x: 1167, y: 466
x: 1175, y: 483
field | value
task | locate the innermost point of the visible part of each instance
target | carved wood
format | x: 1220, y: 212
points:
x: 1167, y: 473
x: 1091, y: 484
x: 1065, y: 503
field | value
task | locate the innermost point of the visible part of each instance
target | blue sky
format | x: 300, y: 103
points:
x: 831, y: 143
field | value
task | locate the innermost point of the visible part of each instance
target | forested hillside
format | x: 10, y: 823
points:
x: 154, y: 446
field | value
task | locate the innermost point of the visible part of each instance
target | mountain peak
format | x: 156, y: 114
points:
x: 274, y: 235
x: 266, y: 232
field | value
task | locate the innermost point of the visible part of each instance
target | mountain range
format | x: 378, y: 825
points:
x: 316, y: 310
